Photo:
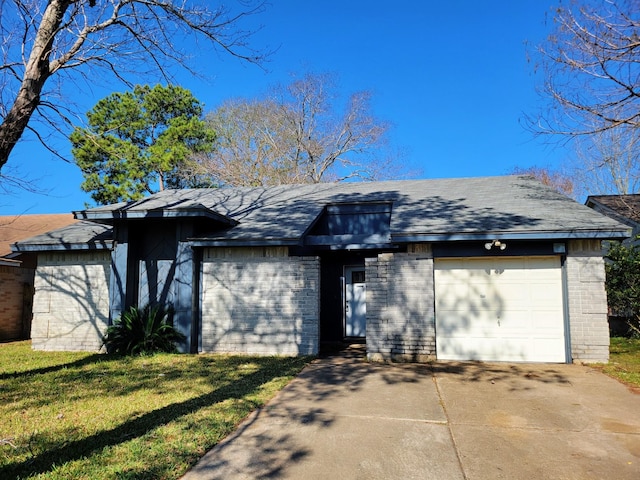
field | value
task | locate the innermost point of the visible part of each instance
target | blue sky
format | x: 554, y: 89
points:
x: 452, y: 77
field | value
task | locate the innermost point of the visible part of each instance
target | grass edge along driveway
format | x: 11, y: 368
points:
x: 81, y: 415
x: 624, y: 362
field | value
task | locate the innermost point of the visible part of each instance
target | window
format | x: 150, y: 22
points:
x: 357, y: 276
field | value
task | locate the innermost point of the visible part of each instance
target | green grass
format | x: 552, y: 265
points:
x: 624, y: 360
x: 88, y: 416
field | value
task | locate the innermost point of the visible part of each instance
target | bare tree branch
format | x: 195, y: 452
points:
x: 296, y: 135
x: 121, y: 39
x: 591, y: 69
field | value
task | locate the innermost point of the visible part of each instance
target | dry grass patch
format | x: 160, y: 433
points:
x: 78, y: 415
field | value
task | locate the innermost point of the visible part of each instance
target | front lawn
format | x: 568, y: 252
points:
x: 80, y: 415
x: 624, y: 360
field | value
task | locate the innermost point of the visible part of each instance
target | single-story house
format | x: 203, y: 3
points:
x: 493, y: 269
x: 623, y: 208
x: 17, y: 270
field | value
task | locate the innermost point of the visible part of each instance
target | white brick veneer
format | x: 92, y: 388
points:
x: 400, y: 306
x: 587, y: 302
x: 71, y: 302
x: 260, y: 301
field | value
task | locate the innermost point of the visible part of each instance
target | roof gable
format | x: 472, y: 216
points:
x: 352, y: 225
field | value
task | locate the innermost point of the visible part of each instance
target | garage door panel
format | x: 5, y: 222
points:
x: 514, y: 295
x: 542, y: 263
x: 482, y: 348
x: 451, y: 295
x: 494, y: 309
x: 502, y: 350
x: 546, y: 297
x: 546, y: 349
x: 550, y: 324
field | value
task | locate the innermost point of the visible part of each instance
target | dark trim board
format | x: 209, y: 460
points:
x: 514, y: 248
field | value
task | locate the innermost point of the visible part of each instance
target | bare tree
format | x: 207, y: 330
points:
x: 296, y: 135
x: 552, y: 178
x: 57, y: 42
x: 608, y: 162
x: 591, y: 69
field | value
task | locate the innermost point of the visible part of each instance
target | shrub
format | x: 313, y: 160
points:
x: 623, y: 284
x: 143, y: 330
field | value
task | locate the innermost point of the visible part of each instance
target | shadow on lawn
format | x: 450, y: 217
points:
x: 137, y: 427
x: 89, y: 360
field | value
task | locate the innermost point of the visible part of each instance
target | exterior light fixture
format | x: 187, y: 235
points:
x: 496, y: 244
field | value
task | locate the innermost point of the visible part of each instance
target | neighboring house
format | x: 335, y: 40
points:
x: 623, y: 208
x: 494, y: 269
x: 17, y: 270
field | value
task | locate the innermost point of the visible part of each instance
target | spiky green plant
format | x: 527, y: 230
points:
x: 143, y: 330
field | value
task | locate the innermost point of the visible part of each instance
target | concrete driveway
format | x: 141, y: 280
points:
x: 347, y: 419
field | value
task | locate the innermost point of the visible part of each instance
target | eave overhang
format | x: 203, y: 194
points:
x: 62, y: 246
x: 327, y: 240
x: 8, y: 262
x: 110, y: 216
x: 244, y: 242
x: 367, y: 242
x: 462, y: 236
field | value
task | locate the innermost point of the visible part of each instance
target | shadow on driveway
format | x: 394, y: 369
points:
x: 346, y: 418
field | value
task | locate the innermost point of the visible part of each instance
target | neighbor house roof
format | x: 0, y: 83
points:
x: 517, y: 207
x: 14, y: 228
x: 624, y: 208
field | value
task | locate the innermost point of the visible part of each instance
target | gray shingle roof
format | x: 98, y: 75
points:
x: 422, y: 210
x: 81, y: 235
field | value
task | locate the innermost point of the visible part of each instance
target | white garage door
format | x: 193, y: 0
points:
x: 500, y: 309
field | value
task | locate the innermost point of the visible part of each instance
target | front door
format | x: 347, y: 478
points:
x: 355, y: 306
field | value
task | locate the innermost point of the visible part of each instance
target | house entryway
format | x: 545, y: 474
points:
x: 355, y: 350
x: 355, y: 303
x: 342, y: 300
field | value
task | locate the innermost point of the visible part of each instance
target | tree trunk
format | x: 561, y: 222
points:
x: 37, y: 71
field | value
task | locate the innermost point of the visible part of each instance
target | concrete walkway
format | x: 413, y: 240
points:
x: 343, y: 418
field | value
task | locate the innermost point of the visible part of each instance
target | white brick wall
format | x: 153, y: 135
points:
x: 260, y: 301
x: 71, y: 302
x: 587, y: 302
x: 400, y: 306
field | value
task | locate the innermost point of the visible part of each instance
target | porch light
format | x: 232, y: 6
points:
x: 495, y: 243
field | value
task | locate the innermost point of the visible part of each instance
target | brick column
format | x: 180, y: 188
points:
x: 400, y: 306
x: 587, y: 302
